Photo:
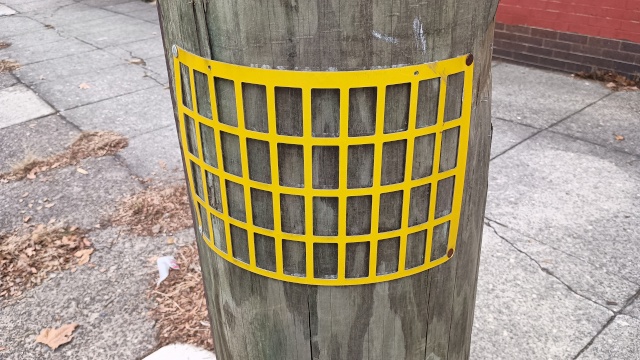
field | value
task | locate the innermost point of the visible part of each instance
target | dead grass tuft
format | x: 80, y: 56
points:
x: 613, y: 80
x: 29, y: 254
x: 181, y: 309
x: 8, y: 65
x: 155, y: 210
x: 89, y: 144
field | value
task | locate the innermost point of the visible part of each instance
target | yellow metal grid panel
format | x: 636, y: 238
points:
x: 306, y: 81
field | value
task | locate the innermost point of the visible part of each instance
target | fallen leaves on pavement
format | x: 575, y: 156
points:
x: 29, y: 254
x: 155, y: 210
x: 618, y: 137
x: 613, y: 80
x: 88, y: 144
x: 55, y: 337
x: 181, y: 310
x: 84, y: 86
x: 8, y: 65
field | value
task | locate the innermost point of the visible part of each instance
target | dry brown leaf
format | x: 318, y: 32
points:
x: 84, y: 256
x: 82, y: 171
x: 84, y: 86
x: 50, y: 205
x: 55, y: 337
x: 8, y: 65
x: 618, y: 137
x: 137, y: 61
x: 613, y: 80
x: 26, y: 219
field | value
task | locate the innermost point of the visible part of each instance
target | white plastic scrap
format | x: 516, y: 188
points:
x: 164, y: 264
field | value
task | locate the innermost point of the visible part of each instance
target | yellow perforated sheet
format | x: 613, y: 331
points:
x: 201, y: 172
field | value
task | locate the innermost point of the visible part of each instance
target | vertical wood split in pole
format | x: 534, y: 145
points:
x: 424, y: 316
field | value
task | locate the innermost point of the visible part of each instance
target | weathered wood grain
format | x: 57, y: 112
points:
x: 426, y: 316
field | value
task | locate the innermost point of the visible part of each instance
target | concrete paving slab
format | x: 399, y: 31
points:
x: 155, y: 155
x: 507, y: 134
x: 35, y: 139
x: 67, y: 66
x: 158, y: 65
x: 633, y: 309
x: 47, y: 51
x: 19, y: 103
x: 6, y: 11
x: 144, y: 49
x: 113, y: 30
x: 618, y: 341
x: 30, y: 6
x: 132, y: 114
x: 523, y: 313
x: 523, y: 95
x: 103, y: 84
x: 7, y: 80
x: 84, y: 200
x: 130, y: 6
x: 24, y: 41
x: 618, y: 114
x: 16, y: 24
x: 150, y: 15
x: 584, y: 278
x: 108, y: 301
x: 76, y: 13
x: 104, y: 3
x: 577, y: 197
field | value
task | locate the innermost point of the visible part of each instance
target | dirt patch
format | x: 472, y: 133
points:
x: 181, y: 310
x: 88, y: 144
x: 29, y: 254
x: 154, y: 211
x: 613, y: 80
x: 4, y: 45
x: 8, y: 65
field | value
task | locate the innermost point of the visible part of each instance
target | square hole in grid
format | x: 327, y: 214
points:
x: 226, y: 101
x: 360, y: 166
x: 231, y: 157
x: 396, y: 108
x: 357, y: 259
x: 359, y: 215
x: 326, y: 167
x: 390, y: 214
x: 419, y: 204
x: 388, y: 256
x: 394, y: 156
x: 209, y: 145
x: 192, y: 138
x: 265, y: 247
x: 262, y: 208
x: 292, y: 214
x: 445, y: 197
x: 240, y: 243
x: 214, y: 191
x: 440, y: 241
x: 254, y: 100
x: 288, y: 111
x: 423, y: 147
x: 325, y: 260
x: 203, y: 98
x: 235, y: 201
x: 449, y: 149
x: 454, y: 97
x: 325, y: 112
x: 362, y: 111
x: 291, y: 165
x: 325, y: 216
x: 294, y: 257
x: 203, y: 227
x: 186, y: 86
x: 259, y: 156
x: 416, y: 247
x: 428, y: 102
x: 219, y: 233
x: 196, y: 178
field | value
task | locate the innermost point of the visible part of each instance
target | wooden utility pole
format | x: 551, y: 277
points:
x: 428, y: 315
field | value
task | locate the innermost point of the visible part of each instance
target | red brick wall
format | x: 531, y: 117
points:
x: 611, y: 19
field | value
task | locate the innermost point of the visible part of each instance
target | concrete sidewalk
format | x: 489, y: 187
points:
x: 559, y: 274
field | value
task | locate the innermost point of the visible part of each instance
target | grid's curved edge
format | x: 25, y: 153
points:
x: 343, y: 81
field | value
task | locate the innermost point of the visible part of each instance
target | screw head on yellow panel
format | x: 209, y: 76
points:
x: 450, y: 253
x: 469, y: 59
